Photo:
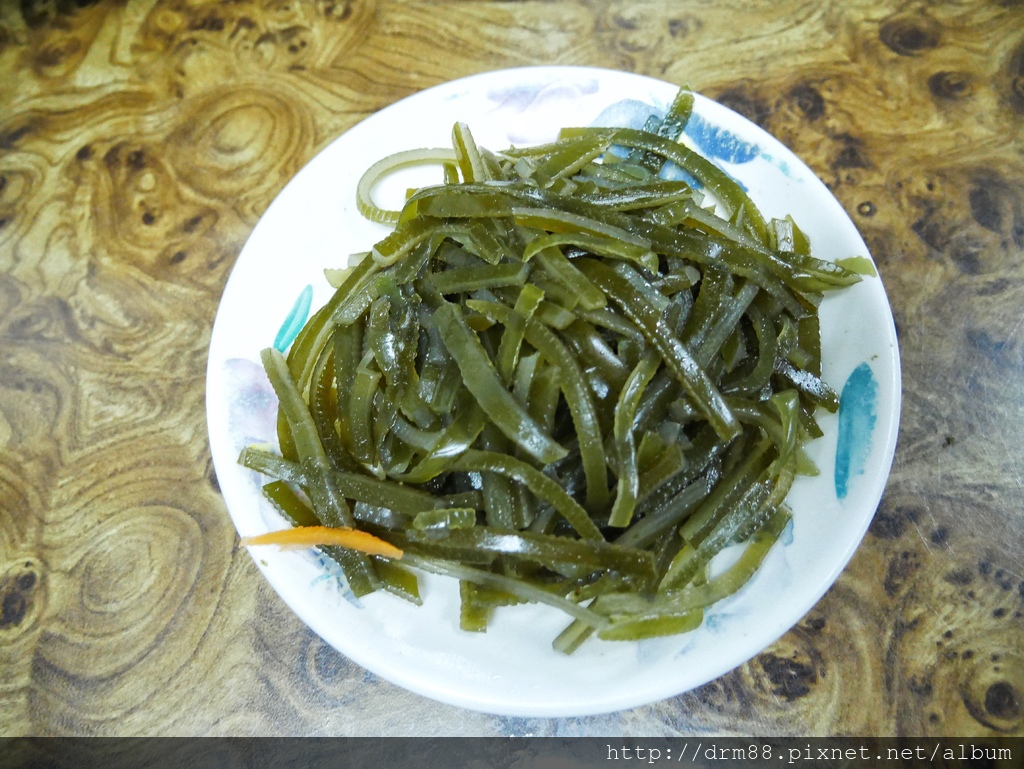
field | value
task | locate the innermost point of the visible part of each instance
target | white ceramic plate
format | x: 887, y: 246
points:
x: 511, y: 669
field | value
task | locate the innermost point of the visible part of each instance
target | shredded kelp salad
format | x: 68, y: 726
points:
x: 562, y: 378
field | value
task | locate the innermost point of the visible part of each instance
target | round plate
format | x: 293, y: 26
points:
x: 511, y: 669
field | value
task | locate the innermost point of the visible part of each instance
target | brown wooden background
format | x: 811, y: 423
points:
x: 141, y: 140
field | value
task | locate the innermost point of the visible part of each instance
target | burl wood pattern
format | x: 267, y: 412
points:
x: 140, y: 141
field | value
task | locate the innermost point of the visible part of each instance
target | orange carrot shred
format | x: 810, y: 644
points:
x: 309, y: 536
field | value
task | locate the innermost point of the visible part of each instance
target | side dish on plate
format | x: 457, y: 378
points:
x: 580, y: 373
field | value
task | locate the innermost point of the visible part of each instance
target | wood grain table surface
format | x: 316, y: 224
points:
x: 140, y: 142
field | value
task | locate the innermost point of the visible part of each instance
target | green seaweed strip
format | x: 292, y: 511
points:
x: 474, y: 613
x: 314, y: 335
x: 541, y: 485
x: 481, y: 238
x: 288, y: 503
x: 611, y: 320
x: 565, y: 272
x: 388, y: 165
x: 403, y: 239
x: 527, y: 302
x: 573, y: 637
x: 360, y: 415
x: 628, y: 486
x: 522, y: 379
x: 602, y: 245
x: 478, y: 602
x: 693, y: 378
x: 556, y: 552
x: 707, y: 173
x: 496, y: 489
x: 347, y: 344
x: 653, y: 194
x: 678, y: 115
x: 671, y: 125
x: 666, y: 517
x: 787, y: 404
x: 469, y: 422
x: 727, y: 492
x: 747, y: 510
x: 808, y: 384
x: 632, y: 628
x: 553, y: 220
x: 743, y: 513
x: 689, y: 212
x: 362, y: 488
x: 543, y: 394
x: 767, y: 351
x: 577, y: 396
x: 472, y: 278
x: 594, y: 352
x: 398, y: 580
x: 483, y: 381
x: 329, y: 505
x: 632, y: 606
x: 522, y: 590
x: 809, y: 336
x: 468, y: 156
x: 662, y: 467
x: 567, y: 159
x: 444, y: 519
x: 524, y: 507
x: 710, y: 298
x: 723, y: 324
x: 323, y: 407
x: 858, y: 264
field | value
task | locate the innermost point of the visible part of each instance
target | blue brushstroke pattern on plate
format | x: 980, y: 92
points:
x: 857, y: 416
